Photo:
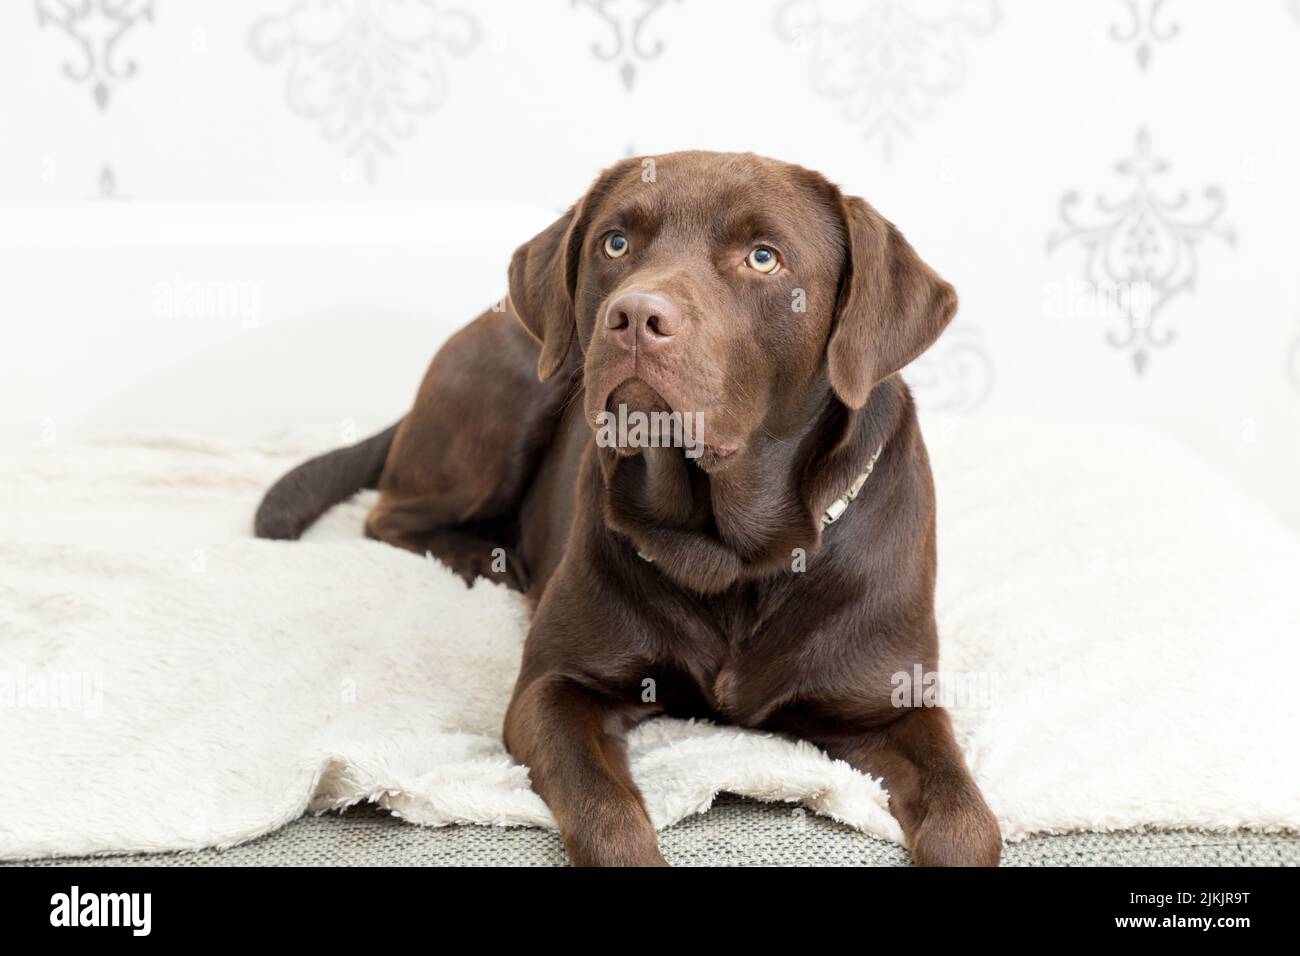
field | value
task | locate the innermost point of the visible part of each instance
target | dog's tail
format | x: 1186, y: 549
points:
x: 308, y: 491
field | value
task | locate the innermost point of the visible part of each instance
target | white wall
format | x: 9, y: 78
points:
x: 330, y: 156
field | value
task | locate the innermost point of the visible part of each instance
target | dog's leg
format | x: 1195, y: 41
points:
x: 573, y: 745
x: 462, y: 458
x: 413, y: 524
x: 931, y: 793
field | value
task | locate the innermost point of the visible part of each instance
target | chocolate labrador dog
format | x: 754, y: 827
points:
x: 769, y: 565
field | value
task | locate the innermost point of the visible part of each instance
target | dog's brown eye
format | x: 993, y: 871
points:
x: 762, y: 259
x: 615, y: 245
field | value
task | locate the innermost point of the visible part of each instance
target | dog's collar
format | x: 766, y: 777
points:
x: 839, y: 505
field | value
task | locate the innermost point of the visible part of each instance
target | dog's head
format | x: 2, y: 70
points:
x: 732, y: 288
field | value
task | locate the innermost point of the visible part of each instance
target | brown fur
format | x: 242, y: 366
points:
x: 498, y: 452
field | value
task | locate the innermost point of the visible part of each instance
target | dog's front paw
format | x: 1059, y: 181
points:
x: 963, y: 832
x: 617, y: 836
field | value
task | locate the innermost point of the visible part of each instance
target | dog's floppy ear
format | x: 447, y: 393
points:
x: 541, y: 291
x: 544, y: 277
x: 892, y: 306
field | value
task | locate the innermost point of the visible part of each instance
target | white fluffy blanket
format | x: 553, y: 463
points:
x: 1119, y: 625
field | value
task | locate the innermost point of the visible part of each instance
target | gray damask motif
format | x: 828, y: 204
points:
x: 887, y: 63
x: 96, y: 27
x: 955, y: 375
x: 365, y: 71
x: 1145, y: 237
x: 626, y: 21
x: 1144, y: 27
x: 106, y: 184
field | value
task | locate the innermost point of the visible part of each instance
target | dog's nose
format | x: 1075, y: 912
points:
x: 642, y: 320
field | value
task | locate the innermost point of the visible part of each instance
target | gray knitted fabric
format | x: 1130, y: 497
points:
x: 735, y: 832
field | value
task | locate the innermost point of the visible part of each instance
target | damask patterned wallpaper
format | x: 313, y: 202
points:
x: 1110, y: 184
